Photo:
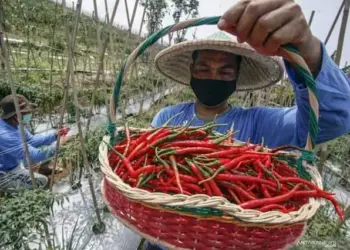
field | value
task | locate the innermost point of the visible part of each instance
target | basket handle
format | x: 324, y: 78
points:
x: 288, y: 52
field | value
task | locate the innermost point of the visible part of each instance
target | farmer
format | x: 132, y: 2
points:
x: 13, y: 175
x: 217, y: 67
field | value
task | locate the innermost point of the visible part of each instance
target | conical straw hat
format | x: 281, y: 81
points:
x: 257, y: 71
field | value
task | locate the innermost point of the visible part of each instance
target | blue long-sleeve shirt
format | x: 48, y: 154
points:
x: 11, y: 146
x: 282, y: 126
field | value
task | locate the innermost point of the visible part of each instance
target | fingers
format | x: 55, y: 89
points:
x: 267, y: 24
x: 254, y: 10
x: 231, y: 17
x: 286, y: 34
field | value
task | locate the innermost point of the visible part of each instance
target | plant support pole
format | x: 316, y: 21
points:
x: 334, y: 22
x: 342, y: 32
x: 99, y: 227
x: 6, y: 60
x: 102, y: 50
x: 311, y: 17
x: 71, y: 45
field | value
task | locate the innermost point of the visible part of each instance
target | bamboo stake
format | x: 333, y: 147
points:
x: 100, y: 226
x: 311, y: 17
x: 337, y: 61
x: 346, y: 5
x: 51, y: 52
x: 71, y: 45
x: 14, y: 94
x: 334, y: 22
x: 342, y: 32
x: 102, y: 50
x: 131, y: 21
x: 143, y: 17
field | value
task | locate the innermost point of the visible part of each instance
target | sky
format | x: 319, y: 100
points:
x: 325, y: 11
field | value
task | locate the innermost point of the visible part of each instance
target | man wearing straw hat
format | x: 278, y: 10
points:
x: 13, y: 175
x: 218, y: 66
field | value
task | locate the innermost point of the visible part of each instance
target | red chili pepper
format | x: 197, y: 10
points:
x: 229, y: 165
x: 269, y: 173
x: 273, y: 207
x: 146, y: 170
x: 126, y: 162
x: 193, y: 187
x: 138, y: 164
x: 260, y: 174
x: 150, y: 137
x: 212, y: 184
x: 243, y: 192
x: 190, y: 143
x: 250, y: 179
x: 316, y: 194
x: 176, y: 171
x: 282, y: 166
x: 265, y: 191
x: 305, y: 182
x: 144, y: 147
x: 242, y: 163
x: 234, y: 196
x: 228, y: 152
x: 269, y: 201
x: 184, y: 151
x: 200, y: 177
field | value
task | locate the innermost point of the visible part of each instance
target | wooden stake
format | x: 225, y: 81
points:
x: 311, y: 17
x: 334, y: 22
x: 143, y: 17
x: 71, y: 45
x: 342, y: 32
x: 102, y: 51
x: 100, y: 225
x: 6, y: 60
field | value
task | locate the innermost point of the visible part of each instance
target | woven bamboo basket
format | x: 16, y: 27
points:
x: 199, y: 221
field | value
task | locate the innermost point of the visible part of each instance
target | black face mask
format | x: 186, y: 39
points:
x: 212, y: 93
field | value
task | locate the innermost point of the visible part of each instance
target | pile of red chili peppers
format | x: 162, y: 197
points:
x: 195, y: 160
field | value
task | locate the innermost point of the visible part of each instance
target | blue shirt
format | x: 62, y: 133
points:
x: 12, y: 152
x: 283, y: 126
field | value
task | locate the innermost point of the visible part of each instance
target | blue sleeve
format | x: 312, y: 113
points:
x: 281, y: 126
x: 160, y: 118
x: 36, y: 155
x: 40, y: 139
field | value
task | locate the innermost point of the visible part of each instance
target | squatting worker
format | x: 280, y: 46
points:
x: 13, y: 174
x: 218, y: 66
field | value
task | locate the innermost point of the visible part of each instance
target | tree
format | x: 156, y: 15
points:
x: 187, y: 8
x: 155, y: 13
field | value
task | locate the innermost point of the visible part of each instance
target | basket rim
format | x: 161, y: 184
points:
x: 229, y: 209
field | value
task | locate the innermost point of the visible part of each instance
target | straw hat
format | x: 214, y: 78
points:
x: 256, y: 71
x: 8, y: 106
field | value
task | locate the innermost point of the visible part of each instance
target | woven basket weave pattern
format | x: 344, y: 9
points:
x: 188, y: 232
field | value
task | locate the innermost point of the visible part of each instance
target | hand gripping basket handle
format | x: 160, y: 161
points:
x: 288, y: 52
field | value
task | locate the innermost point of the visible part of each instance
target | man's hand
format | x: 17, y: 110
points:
x: 65, y: 139
x: 268, y: 24
x: 63, y: 132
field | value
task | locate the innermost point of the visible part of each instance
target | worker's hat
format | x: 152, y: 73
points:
x: 8, y: 106
x: 256, y: 71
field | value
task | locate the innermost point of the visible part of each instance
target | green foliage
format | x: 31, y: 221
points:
x: 323, y: 229
x: 187, y: 8
x: 93, y: 138
x: 155, y: 13
x: 36, y: 93
x: 23, y: 217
